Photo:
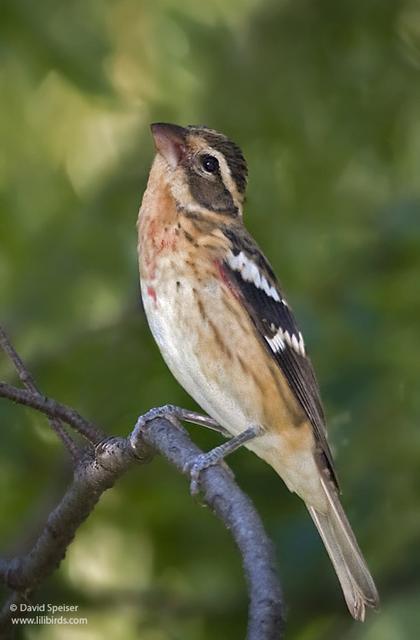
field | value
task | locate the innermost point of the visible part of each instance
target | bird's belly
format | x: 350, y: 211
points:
x: 184, y: 323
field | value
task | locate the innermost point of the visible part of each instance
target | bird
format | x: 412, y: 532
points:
x: 229, y: 336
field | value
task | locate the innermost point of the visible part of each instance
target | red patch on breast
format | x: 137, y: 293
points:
x: 167, y: 241
x: 151, y: 292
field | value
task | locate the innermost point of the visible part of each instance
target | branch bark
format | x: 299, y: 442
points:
x: 99, y: 466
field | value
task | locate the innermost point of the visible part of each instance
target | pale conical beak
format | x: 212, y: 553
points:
x: 169, y: 141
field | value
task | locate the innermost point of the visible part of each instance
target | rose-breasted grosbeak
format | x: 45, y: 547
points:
x: 229, y: 336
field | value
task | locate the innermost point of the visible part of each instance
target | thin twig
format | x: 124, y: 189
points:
x: 28, y: 381
x: 53, y: 409
x: 23, y: 373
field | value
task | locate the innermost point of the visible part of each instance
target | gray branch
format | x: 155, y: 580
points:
x: 98, y: 468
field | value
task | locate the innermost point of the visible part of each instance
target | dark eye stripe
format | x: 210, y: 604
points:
x: 211, y: 194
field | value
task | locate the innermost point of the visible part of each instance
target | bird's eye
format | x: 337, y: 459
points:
x: 209, y: 163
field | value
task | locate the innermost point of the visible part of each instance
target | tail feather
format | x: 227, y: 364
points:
x: 356, y: 581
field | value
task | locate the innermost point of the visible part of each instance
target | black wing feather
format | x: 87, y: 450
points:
x: 268, y: 315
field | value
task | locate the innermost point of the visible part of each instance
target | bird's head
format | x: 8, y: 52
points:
x: 203, y: 168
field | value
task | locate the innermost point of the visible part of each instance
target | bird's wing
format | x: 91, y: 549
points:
x: 252, y: 278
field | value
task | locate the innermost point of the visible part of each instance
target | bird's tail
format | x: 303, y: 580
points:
x: 354, y: 576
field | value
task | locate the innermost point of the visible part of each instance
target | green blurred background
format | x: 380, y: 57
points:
x: 324, y: 98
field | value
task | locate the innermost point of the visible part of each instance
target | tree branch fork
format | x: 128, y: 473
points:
x: 99, y: 463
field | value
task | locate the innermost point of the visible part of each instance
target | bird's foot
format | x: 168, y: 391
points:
x: 216, y: 456
x: 174, y: 413
x: 203, y: 461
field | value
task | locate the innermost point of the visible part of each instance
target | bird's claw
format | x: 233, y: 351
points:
x: 197, y: 465
x: 194, y: 468
x: 168, y: 411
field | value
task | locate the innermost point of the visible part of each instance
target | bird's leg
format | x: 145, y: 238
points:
x: 197, y: 418
x: 173, y: 413
x: 216, y: 455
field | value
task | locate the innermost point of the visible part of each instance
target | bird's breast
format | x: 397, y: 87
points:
x: 158, y: 233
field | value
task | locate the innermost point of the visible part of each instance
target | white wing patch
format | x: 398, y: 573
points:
x: 282, y: 338
x: 250, y: 273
